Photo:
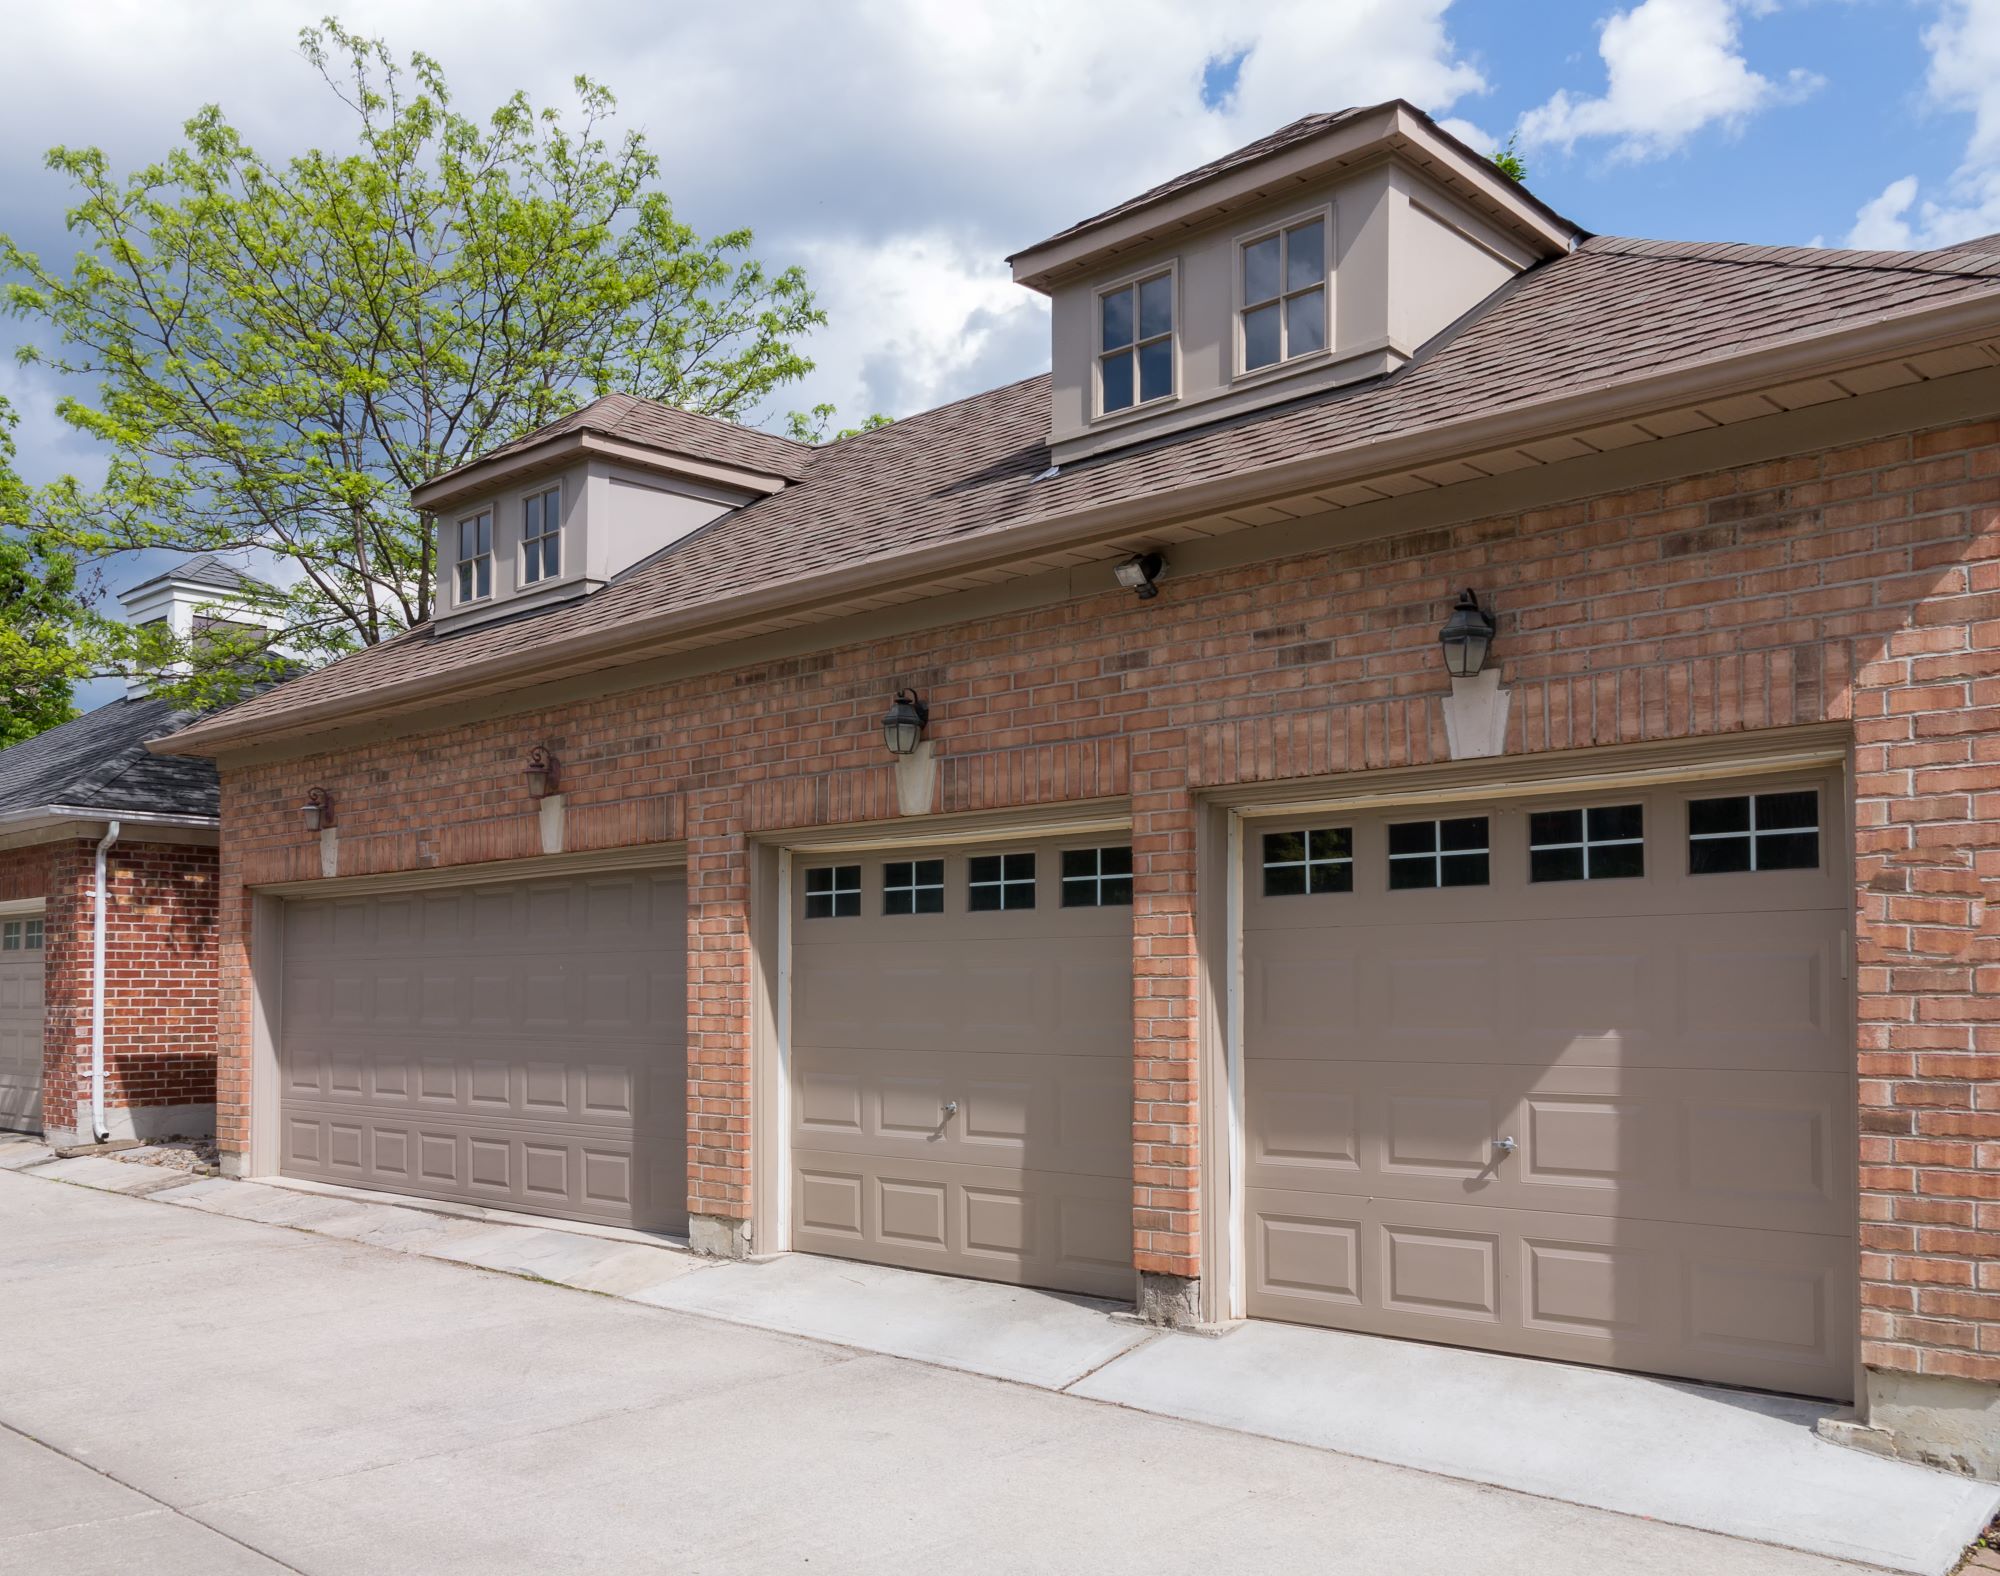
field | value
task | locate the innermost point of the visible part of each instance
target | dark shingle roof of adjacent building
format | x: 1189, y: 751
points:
x: 204, y: 569
x: 1614, y: 312
x: 99, y: 761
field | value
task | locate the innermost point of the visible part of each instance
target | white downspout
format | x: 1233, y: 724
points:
x: 99, y: 1132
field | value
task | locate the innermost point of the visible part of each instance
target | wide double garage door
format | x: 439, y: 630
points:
x: 519, y: 1044
x: 961, y: 1061
x: 1569, y: 1077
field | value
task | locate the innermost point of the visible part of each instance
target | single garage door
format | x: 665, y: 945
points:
x: 1646, y: 993
x: 519, y: 1044
x: 961, y: 1062
x: 21, y: 1023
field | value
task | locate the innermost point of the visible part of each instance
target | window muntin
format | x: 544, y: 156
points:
x: 1762, y: 831
x: 475, y: 557
x: 1449, y: 853
x: 21, y: 935
x: 999, y: 881
x: 1135, y: 343
x: 833, y: 892
x: 1601, y: 843
x: 1283, y: 312
x: 541, y: 537
x: 913, y: 886
x: 1298, y: 863
x: 1097, y: 877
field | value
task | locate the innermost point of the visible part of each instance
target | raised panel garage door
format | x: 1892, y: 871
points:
x: 518, y: 1044
x: 961, y: 1062
x: 21, y: 1023
x: 1646, y: 993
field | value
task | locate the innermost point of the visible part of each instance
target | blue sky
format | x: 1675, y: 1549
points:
x: 899, y: 149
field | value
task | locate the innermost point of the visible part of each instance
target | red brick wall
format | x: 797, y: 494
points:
x: 1859, y: 584
x: 161, y: 985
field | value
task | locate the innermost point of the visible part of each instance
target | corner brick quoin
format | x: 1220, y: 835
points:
x: 161, y: 987
x: 1857, y: 585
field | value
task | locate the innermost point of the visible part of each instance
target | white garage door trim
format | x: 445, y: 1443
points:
x: 771, y: 1104
x: 1225, y: 1259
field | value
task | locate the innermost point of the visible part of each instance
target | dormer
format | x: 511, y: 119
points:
x: 557, y: 514
x: 1321, y: 255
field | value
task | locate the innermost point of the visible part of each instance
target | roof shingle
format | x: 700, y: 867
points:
x: 1609, y: 313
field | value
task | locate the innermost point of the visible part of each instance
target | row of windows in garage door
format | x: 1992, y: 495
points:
x: 1090, y: 878
x: 1738, y: 833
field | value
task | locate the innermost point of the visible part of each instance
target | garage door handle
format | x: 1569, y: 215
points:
x: 1506, y: 1146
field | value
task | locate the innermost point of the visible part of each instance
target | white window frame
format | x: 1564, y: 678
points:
x: 835, y: 890
x: 1306, y: 863
x: 15, y: 930
x: 915, y: 885
x: 1587, y: 843
x: 1093, y: 883
x: 1172, y: 269
x: 459, y: 564
x: 1756, y: 835
x: 1437, y: 854
x: 559, y: 534
x: 1003, y: 883
x: 1238, y: 370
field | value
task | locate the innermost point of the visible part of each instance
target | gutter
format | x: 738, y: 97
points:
x: 98, y: 1129
x: 1604, y: 404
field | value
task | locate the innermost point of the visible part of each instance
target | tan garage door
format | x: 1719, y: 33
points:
x: 961, y: 1062
x: 1646, y: 993
x: 21, y: 1023
x: 520, y: 1045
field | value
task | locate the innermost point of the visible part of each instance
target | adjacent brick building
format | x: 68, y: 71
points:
x: 1229, y: 941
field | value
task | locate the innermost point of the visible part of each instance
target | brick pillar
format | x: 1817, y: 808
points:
x: 1166, y: 1152
x: 66, y: 965
x: 719, y: 1007
x: 1927, y: 855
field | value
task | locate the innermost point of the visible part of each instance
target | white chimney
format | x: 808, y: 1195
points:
x: 188, y: 597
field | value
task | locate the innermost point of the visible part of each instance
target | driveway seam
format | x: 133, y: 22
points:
x: 151, y: 1498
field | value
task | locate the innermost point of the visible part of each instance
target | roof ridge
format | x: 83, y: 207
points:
x: 1965, y: 265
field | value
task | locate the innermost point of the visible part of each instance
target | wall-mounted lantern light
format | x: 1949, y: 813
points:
x: 1466, y: 636
x: 541, y: 772
x: 1139, y: 572
x: 903, y: 723
x: 317, y: 810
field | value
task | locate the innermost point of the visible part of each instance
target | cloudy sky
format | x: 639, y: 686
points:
x: 899, y: 149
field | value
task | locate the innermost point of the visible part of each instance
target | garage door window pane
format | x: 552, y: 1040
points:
x: 31, y: 935
x: 913, y: 886
x: 1097, y: 877
x: 833, y: 892
x: 1449, y: 853
x: 1602, y: 843
x: 1298, y: 863
x: 1000, y: 881
x: 1744, y: 832
x: 10, y: 936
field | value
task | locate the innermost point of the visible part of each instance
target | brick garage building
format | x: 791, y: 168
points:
x: 83, y: 803
x: 1620, y: 998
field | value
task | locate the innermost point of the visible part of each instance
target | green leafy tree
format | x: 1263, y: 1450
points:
x: 43, y: 618
x: 280, y: 351
x: 1512, y: 165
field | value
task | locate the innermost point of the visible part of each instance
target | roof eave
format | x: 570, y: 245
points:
x: 31, y: 817
x: 1383, y: 131
x: 1578, y: 409
x: 482, y: 477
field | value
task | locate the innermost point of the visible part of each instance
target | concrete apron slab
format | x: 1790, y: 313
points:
x: 1718, y: 1460
x: 1007, y: 1332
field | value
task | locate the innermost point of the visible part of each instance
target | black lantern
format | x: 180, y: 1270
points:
x: 540, y: 772
x: 1465, y: 637
x: 903, y: 723
x: 317, y: 810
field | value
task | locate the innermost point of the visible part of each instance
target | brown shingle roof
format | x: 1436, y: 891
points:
x: 649, y: 424
x: 1613, y: 312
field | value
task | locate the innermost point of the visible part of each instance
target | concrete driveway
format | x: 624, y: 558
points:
x: 182, y: 1391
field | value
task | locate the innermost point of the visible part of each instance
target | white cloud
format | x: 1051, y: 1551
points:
x: 899, y: 148
x: 1673, y: 68
x: 1964, y: 78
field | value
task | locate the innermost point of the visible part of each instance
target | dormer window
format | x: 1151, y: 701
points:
x: 1135, y: 343
x: 541, y: 537
x: 475, y: 557
x: 1282, y: 315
